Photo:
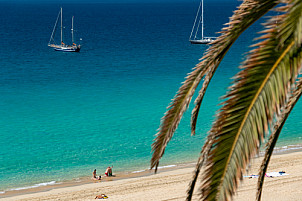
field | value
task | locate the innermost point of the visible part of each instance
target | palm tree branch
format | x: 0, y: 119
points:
x: 173, y: 116
x: 227, y: 138
x: 194, y: 179
x: 199, y: 99
x: 251, y: 106
x: 202, y: 158
x: 274, y: 136
x: 210, y: 60
x: 235, y: 24
x: 245, y: 124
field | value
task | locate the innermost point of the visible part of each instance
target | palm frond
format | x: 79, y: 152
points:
x: 241, y: 20
x: 202, y: 158
x: 260, y: 90
x: 192, y: 185
x: 199, y: 99
x: 242, y: 17
x: 274, y: 136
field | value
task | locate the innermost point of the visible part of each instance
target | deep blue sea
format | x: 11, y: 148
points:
x: 64, y: 114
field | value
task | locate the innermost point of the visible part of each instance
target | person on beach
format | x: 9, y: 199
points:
x: 102, y: 196
x: 94, y: 173
x: 108, y: 171
x: 94, y: 177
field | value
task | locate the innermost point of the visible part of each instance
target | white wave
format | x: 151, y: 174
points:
x: 160, y: 167
x: 167, y: 166
x: 287, y: 148
x: 34, y: 186
x: 2, y: 192
x: 138, y: 171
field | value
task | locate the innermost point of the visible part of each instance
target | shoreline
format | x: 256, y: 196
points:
x: 88, y: 185
x: 88, y: 180
x: 50, y: 185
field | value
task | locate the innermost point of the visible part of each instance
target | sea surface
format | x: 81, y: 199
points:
x: 62, y: 115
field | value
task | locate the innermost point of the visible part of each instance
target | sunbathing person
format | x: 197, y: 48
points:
x: 102, y: 196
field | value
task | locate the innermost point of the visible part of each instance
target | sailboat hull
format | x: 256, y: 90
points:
x: 68, y: 49
x: 63, y: 47
x: 201, y: 41
x: 74, y: 48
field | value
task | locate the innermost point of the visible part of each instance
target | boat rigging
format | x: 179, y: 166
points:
x: 63, y: 47
x: 193, y: 37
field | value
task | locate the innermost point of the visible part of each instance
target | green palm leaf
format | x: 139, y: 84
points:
x: 260, y: 90
x: 274, y: 136
x: 241, y: 20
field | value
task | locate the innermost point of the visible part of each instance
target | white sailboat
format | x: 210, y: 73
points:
x: 63, y: 47
x: 193, y: 37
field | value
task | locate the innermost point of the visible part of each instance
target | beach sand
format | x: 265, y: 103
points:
x: 172, y: 185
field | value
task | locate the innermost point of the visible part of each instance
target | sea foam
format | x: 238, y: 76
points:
x: 34, y: 186
x: 166, y: 166
x: 160, y: 167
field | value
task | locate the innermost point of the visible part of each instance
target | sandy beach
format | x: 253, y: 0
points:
x: 172, y: 185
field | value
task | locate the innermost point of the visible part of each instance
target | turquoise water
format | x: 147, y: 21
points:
x: 65, y: 114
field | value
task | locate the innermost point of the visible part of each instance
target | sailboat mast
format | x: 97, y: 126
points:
x: 203, y: 40
x: 202, y: 20
x: 72, y: 29
x: 61, y: 27
x: 193, y: 28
